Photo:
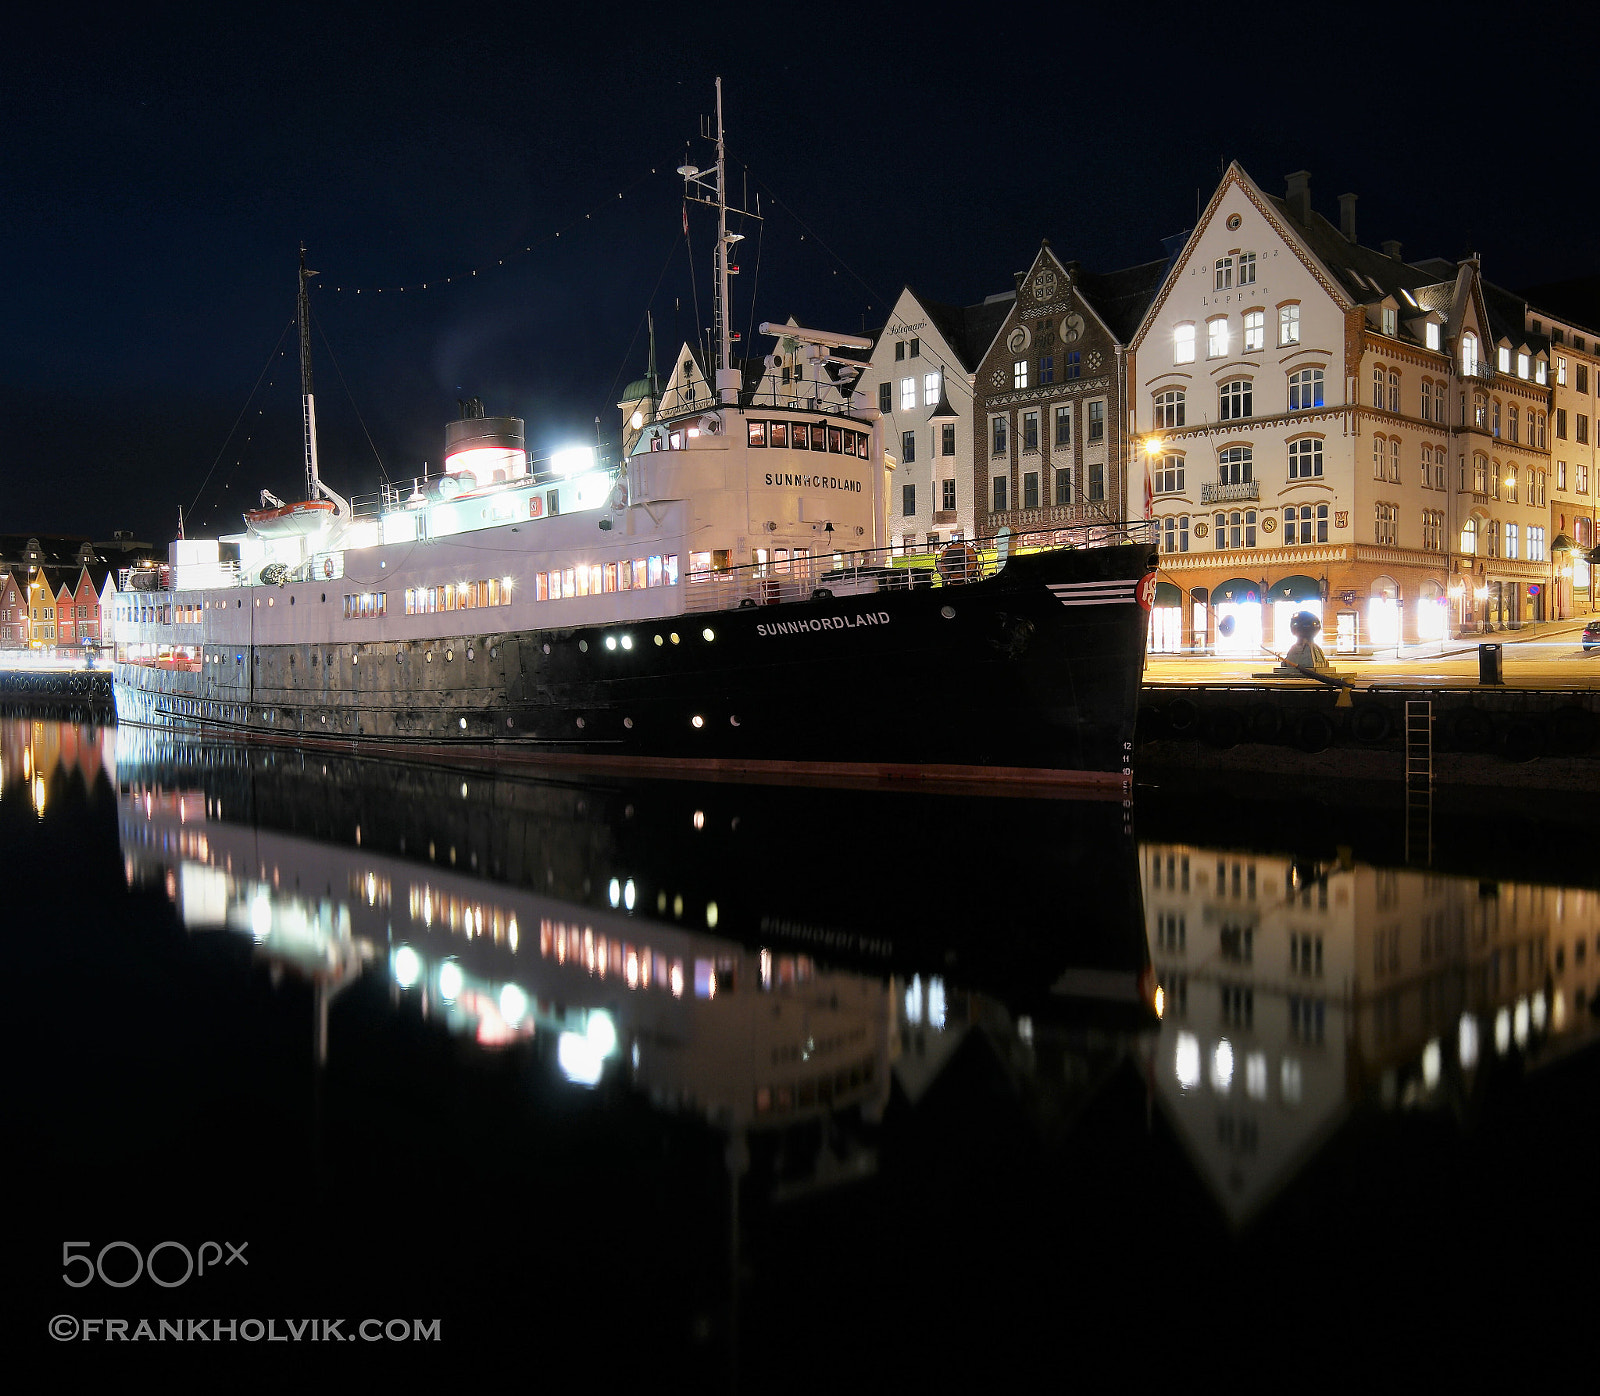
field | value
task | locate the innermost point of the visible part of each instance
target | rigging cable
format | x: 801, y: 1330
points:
x: 381, y: 468
x: 235, y: 427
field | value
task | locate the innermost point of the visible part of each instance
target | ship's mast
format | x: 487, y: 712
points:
x: 308, y: 400
x: 702, y: 188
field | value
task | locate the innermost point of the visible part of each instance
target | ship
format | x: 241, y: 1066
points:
x: 725, y: 601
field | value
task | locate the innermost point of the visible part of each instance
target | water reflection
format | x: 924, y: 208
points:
x: 1295, y: 989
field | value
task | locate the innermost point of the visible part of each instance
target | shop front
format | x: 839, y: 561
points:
x: 1166, y: 620
x: 1383, y: 613
x: 1286, y: 599
x: 1237, y: 608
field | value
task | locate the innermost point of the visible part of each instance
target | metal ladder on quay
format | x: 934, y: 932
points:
x: 1419, y: 780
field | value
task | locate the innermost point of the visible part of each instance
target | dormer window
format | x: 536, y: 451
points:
x: 1390, y: 320
x: 1431, y: 335
x: 1502, y: 359
x: 1522, y: 365
x: 1541, y: 372
x: 1469, y: 355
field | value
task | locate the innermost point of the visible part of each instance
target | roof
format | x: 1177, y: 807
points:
x: 1576, y: 301
x: 1121, y: 298
x: 969, y: 330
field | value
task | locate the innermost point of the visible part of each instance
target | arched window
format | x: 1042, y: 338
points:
x: 1169, y: 408
x: 1377, y: 387
x: 1378, y: 455
x: 1305, y: 458
x: 1394, y: 459
x: 1494, y: 417
x: 1469, y: 355
x: 1469, y: 537
x: 1394, y: 391
x: 1511, y: 423
x: 1237, y: 465
x: 1236, y: 398
x: 1305, y: 389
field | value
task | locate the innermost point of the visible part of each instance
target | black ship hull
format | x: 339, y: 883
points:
x: 1031, y: 675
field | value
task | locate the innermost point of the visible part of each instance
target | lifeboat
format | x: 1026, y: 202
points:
x: 307, y: 516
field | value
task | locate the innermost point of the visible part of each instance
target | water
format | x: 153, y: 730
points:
x: 787, y: 1088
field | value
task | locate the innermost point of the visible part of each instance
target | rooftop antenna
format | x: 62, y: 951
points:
x: 308, y: 400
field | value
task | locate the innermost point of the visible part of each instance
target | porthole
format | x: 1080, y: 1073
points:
x: 291, y: 600
x: 628, y: 723
x: 659, y: 640
x: 510, y: 722
x: 673, y: 637
x: 398, y: 656
x: 709, y: 633
x: 733, y: 721
x: 583, y: 646
x: 697, y: 721
x: 948, y: 612
x: 471, y: 654
x: 611, y: 642
x: 463, y: 724
x: 428, y: 657
x: 238, y: 603
x: 324, y: 598
x: 449, y: 654
x: 546, y: 647
x: 580, y: 724
x: 355, y: 659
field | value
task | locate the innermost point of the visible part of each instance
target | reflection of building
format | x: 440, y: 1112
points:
x: 1290, y: 988
x: 1339, y: 431
x: 40, y: 756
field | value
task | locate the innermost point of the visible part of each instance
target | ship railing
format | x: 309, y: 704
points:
x: 870, y: 570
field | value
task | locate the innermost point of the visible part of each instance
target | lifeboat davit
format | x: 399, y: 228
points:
x: 307, y: 516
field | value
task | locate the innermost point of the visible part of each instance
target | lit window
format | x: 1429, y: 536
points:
x: 1288, y: 324
x: 1183, y: 344
x: 1503, y: 359
x: 1469, y: 355
x: 1430, y: 335
x: 1217, y: 337
x: 1255, y: 327
x: 1469, y: 538
x: 1389, y: 320
x: 1019, y: 374
x: 908, y: 394
x: 930, y: 389
x: 1541, y: 372
x: 1522, y: 365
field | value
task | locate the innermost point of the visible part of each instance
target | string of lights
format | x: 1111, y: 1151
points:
x: 436, y: 283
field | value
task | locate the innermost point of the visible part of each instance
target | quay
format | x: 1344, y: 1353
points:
x: 1519, y: 708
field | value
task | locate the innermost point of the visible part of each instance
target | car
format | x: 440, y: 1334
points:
x: 1591, y: 635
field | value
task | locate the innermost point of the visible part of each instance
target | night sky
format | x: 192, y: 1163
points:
x: 161, y: 165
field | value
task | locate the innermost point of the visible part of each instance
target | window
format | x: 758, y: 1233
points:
x: 908, y: 500
x: 1175, y: 533
x: 1236, y: 399
x: 947, y: 438
x: 1383, y: 528
x: 1255, y: 324
x: 1511, y: 540
x: 1394, y: 391
x: 1030, y: 431
x: 1097, y: 421
x: 1097, y: 482
x: 1183, y: 344
x: 1581, y: 434
x: 1019, y: 374
x: 1469, y: 538
x: 1503, y: 359
x: 1234, y: 530
x: 1535, y: 543
x: 948, y: 490
x: 1433, y: 530
x: 885, y: 397
x: 930, y: 389
x: 899, y: 349
x: 1063, y: 486
x: 1583, y: 378
x: 999, y: 494
x: 1561, y: 370
x: 1236, y: 466
x: 915, y: 351
x: 908, y: 447
x: 1427, y: 400
x: 1247, y: 268
x: 1169, y: 408
x: 1288, y: 324
x: 1064, y: 425
x: 1167, y: 477
x: 1541, y: 374
x: 908, y: 394
x: 1030, y: 489
x: 1305, y: 523
x: 1430, y: 335
x: 1438, y: 402
x: 1561, y: 424
x: 1305, y: 389
x: 1389, y: 321
x: 997, y: 428
x: 1217, y: 338
x: 1379, y: 456
x: 1580, y: 477
x: 1377, y: 387
x: 1075, y: 364
x: 1494, y: 420
x: 1561, y: 474
x: 1394, y: 459
x: 1223, y: 280
x: 1511, y: 423
x: 1469, y: 355
x: 1305, y: 458
x: 1480, y: 474
x: 1522, y: 364
x: 1480, y: 410
x: 1047, y: 368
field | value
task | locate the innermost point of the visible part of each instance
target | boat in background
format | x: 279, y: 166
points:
x: 724, y: 601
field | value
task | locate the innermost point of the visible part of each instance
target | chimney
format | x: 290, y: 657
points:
x: 1347, y: 216
x: 1391, y: 248
x: 1298, y: 197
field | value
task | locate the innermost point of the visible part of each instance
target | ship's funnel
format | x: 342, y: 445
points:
x: 490, y: 449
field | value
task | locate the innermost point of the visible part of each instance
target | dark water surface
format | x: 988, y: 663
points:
x: 739, y: 1087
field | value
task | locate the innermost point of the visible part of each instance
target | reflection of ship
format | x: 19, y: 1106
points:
x: 1295, y: 988
x: 516, y: 914
x: 702, y: 609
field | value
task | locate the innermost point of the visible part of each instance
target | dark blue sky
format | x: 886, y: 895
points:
x: 160, y: 169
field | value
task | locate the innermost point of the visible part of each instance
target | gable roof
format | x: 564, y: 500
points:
x: 1120, y: 298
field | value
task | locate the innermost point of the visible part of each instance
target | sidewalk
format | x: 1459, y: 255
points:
x: 1539, y: 632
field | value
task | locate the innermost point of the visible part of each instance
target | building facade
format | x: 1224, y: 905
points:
x: 1050, y: 401
x: 1575, y: 458
x: 921, y: 375
x: 1329, y: 428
